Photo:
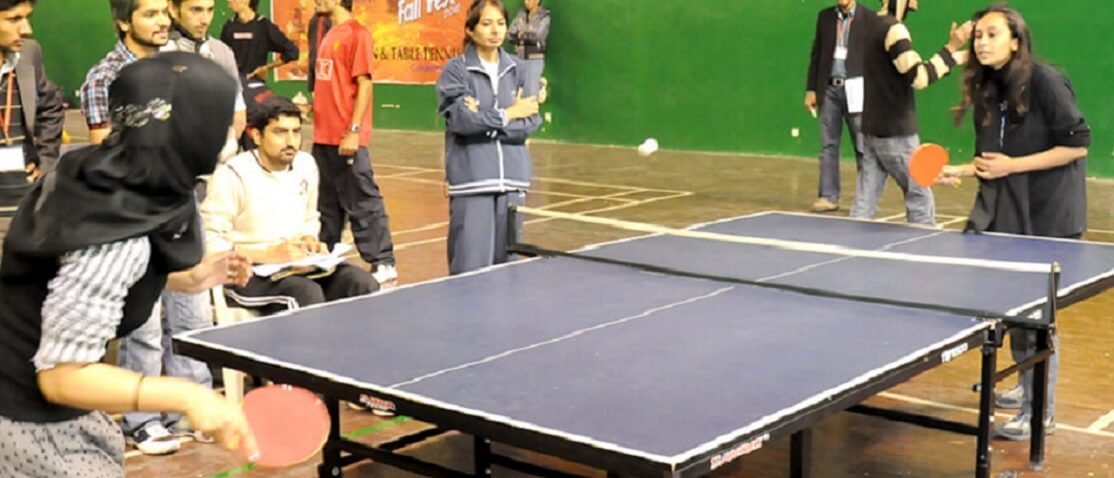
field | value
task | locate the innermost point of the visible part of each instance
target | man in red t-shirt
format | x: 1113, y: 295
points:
x: 342, y: 126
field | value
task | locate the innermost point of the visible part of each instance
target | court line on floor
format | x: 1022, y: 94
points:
x: 1103, y: 422
x: 407, y: 245
x: 956, y: 408
x: 542, y: 192
x: 402, y: 175
x: 583, y: 199
x: 894, y: 217
x: 573, y: 182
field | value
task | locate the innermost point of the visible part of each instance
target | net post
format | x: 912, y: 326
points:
x: 513, y: 232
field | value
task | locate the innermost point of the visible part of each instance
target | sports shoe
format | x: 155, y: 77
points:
x: 364, y: 408
x: 824, y: 205
x: 1011, y: 398
x: 384, y: 273
x: 185, y: 429
x: 1018, y: 428
x: 154, y: 439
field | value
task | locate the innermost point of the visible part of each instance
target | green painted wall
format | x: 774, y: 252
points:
x: 713, y: 75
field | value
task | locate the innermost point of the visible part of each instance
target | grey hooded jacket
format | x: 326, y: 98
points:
x: 530, y: 36
x: 483, y: 153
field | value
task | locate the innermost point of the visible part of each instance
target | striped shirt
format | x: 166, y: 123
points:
x: 85, y: 301
x: 94, y: 92
x: 893, y: 71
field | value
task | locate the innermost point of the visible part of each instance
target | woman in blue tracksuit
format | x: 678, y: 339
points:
x: 487, y: 122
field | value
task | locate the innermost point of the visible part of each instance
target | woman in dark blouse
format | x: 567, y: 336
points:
x: 1031, y: 160
x: 1030, y: 138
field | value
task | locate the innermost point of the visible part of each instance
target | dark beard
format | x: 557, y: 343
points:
x: 148, y: 43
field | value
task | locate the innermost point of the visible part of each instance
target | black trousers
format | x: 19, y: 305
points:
x: 348, y: 191
x: 270, y: 297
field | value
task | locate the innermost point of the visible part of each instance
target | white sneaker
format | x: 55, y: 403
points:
x: 154, y: 439
x: 384, y: 273
x: 1018, y: 427
x: 363, y: 408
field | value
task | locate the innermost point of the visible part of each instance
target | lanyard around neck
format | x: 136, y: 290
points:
x: 7, y: 119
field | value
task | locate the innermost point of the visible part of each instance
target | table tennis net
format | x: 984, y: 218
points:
x: 904, y: 279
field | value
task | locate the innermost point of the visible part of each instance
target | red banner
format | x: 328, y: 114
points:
x: 413, y: 38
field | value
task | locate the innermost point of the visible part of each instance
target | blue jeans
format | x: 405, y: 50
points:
x: 884, y: 157
x: 148, y: 350
x: 833, y: 114
x: 532, y: 75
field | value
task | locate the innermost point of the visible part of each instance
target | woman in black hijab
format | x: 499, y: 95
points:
x: 90, y: 249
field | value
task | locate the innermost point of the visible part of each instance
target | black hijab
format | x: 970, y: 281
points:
x: 170, y: 119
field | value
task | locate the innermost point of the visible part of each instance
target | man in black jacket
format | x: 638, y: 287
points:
x: 252, y: 37
x: 33, y: 113
x: 836, y: 58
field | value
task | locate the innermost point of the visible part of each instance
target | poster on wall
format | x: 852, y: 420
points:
x: 413, y: 38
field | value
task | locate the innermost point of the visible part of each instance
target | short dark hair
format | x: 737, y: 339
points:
x: 122, y: 11
x: 347, y: 4
x: 254, y: 5
x: 6, y: 5
x: 474, y: 13
x: 270, y: 109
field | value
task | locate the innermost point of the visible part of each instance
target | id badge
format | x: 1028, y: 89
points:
x: 840, y: 53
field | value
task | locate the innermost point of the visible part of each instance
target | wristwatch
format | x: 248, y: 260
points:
x: 354, y: 128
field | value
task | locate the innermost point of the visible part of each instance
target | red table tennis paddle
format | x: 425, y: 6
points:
x: 290, y: 424
x: 926, y: 163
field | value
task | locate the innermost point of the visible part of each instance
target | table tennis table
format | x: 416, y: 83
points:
x: 643, y: 373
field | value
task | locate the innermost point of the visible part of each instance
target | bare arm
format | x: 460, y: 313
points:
x: 112, y: 389
x: 83, y: 307
x: 350, y: 142
x: 225, y: 268
x: 363, y: 99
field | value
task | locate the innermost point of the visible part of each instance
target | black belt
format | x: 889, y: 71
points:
x: 835, y: 81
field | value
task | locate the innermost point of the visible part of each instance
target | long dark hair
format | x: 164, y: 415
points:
x: 474, y: 13
x: 979, y: 87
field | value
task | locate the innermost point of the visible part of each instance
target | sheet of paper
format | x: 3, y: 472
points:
x: 320, y: 261
x: 853, y: 87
